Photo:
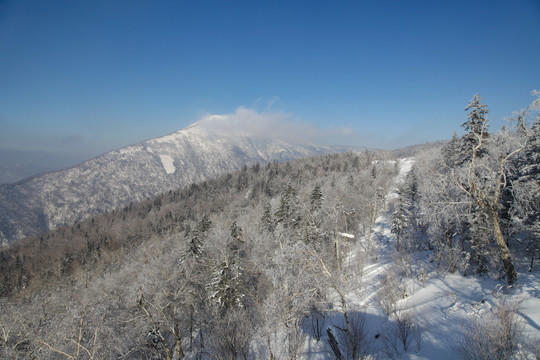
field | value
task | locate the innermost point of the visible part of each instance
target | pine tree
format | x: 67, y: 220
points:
x: 197, y: 237
x: 530, y: 168
x: 316, y: 198
x: 267, y: 219
x: 452, y: 152
x: 235, y: 244
x: 533, y: 243
x: 287, y: 213
x: 474, y: 140
x: 478, y: 235
x: 235, y: 231
x: 530, y: 174
x: 400, y: 219
x: 226, y: 284
x: 242, y: 181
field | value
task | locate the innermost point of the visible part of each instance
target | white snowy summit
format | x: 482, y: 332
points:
x: 200, y: 151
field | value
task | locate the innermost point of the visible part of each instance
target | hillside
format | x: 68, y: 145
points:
x: 290, y: 260
x: 132, y: 174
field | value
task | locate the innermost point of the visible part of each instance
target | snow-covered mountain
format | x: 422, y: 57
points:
x: 133, y: 173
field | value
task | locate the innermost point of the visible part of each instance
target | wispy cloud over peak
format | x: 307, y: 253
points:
x: 247, y: 122
x: 269, y: 124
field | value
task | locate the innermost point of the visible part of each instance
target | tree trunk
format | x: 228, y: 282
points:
x: 451, y: 264
x: 270, y: 353
x: 511, y: 274
x: 179, y: 350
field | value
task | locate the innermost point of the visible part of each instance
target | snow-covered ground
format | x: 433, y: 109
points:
x: 440, y: 306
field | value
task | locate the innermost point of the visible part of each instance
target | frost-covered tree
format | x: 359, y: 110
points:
x: 527, y: 185
x: 485, y: 176
x: 236, y: 231
x: 452, y: 152
x: 478, y: 234
x: 225, y: 288
x: 287, y: 212
x: 400, y: 219
x: 267, y: 222
x: 197, y: 237
x: 476, y: 127
x: 316, y: 198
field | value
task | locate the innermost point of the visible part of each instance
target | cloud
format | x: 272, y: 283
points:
x: 269, y: 124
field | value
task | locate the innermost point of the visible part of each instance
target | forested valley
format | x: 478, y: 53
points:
x: 278, y: 261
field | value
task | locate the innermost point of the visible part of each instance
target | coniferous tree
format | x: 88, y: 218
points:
x: 198, y: 236
x: 316, y: 198
x: 478, y: 234
x: 267, y: 219
x: 400, y: 220
x: 476, y: 127
x: 530, y: 175
x: 533, y: 241
x: 530, y: 168
x: 226, y: 284
x: 236, y: 231
x: 484, y: 181
x: 287, y: 213
x: 453, y: 152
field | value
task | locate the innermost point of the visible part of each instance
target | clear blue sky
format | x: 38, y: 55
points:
x: 90, y: 76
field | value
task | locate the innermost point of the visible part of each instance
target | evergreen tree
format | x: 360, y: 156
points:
x: 474, y: 140
x: 505, y: 210
x: 226, y: 284
x: 400, y: 220
x: 478, y: 234
x: 530, y: 168
x: 533, y: 241
x: 197, y: 237
x: 530, y: 175
x: 235, y: 231
x: 452, y: 152
x: 242, y: 181
x: 316, y: 198
x: 287, y: 213
x: 267, y: 219
x: 373, y: 173
x: 235, y: 245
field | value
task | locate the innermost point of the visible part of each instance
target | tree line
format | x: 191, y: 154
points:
x: 201, y: 271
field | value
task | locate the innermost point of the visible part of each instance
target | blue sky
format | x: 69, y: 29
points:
x: 89, y: 76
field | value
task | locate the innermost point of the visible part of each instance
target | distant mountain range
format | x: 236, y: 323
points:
x: 43, y: 202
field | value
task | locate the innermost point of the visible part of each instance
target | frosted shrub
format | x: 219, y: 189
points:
x: 356, y: 339
x: 492, y: 337
x: 401, y: 332
x: 389, y: 293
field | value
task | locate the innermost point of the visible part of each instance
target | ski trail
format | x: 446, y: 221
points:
x: 378, y: 264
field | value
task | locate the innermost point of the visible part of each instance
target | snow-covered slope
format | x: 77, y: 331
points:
x: 442, y: 309
x: 131, y: 174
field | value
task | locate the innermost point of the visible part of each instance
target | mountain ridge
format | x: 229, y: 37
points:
x: 42, y: 202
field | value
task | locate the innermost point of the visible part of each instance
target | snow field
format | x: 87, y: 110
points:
x: 440, y: 306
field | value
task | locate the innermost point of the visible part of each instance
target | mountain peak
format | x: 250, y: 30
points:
x: 203, y: 150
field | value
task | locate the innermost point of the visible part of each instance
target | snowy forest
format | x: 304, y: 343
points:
x: 415, y: 253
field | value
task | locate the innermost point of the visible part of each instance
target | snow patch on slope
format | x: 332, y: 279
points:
x: 168, y: 163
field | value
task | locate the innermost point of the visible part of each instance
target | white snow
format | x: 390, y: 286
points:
x: 168, y: 163
x: 346, y: 235
x: 442, y: 304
